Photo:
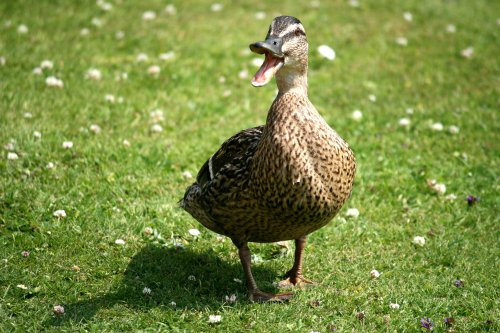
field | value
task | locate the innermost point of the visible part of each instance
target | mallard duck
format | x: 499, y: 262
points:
x: 282, y: 180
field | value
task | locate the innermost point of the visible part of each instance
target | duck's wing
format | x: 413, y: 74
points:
x: 237, y: 150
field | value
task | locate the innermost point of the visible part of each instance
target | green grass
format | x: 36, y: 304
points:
x: 110, y: 191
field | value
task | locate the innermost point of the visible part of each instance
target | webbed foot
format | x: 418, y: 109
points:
x: 258, y: 296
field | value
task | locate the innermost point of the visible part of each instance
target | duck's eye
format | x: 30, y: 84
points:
x: 298, y: 32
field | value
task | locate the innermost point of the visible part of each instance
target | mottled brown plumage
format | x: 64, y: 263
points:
x: 280, y: 181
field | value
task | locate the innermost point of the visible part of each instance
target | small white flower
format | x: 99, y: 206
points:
x: 37, y: 135
x: 28, y: 115
x: 154, y: 70
x: 106, y: 6
x: 354, y: 3
x: 352, y: 212
x: 409, y: 110
x: 260, y: 15
x: 93, y: 74
x: 357, y: 115
x: 403, y: 41
x: 451, y: 197
x: 148, y: 15
x: 49, y: 166
x: 437, y: 127
x: 146, y: 291
x: 148, y: 231
x: 37, y: 71
x: 231, y: 298
x: 372, y: 98
x: 67, y: 144
x: 141, y: 57
x: 440, y: 188
x: 187, y: 175
x: 394, y: 306
x: 3, y: 61
x: 58, y: 310
x: 95, y: 128
x: 194, y: 232
x: 408, y: 16
x: 375, y: 274
x: 157, y: 115
x: 22, y: 29
x: 191, y: 278
x: 47, y: 64
x: 173, y: 304
x: 119, y: 34
x: 167, y: 56
x: 404, y: 122
x: 84, y: 32
x: 419, y: 240
x: 59, y: 213
x: 170, y: 9
x: 97, y: 22
x: 257, y: 62
x: 22, y: 286
x: 119, y: 242
x: 12, y: 156
x: 243, y: 74
x: 326, y: 52
x: 109, y: 98
x: 237, y: 280
x: 468, y: 52
x: 52, y: 81
x: 156, y: 128
x: 214, y: 319
x: 453, y: 129
x: 216, y: 7
x: 126, y: 143
x: 451, y: 28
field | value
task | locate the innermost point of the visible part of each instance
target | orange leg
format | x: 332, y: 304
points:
x: 294, y: 276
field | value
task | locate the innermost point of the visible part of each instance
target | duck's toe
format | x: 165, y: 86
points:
x: 258, y: 296
x: 296, y: 281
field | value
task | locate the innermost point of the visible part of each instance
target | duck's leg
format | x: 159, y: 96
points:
x: 254, y: 293
x: 294, y: 276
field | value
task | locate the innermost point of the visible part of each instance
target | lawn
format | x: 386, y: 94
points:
x: 108, y: 109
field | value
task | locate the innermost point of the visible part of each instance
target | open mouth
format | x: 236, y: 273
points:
x: 266, y: 72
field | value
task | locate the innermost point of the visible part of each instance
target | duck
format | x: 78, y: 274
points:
x: 282, y: 180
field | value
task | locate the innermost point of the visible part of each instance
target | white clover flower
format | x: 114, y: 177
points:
x: 372, y: 98
x: 194, y: 232
x: 354, y: 3
x: 84, y: 32
x: 22, y: 29
x: 187, y: 175
x: 352, y: 212
x: 22, y: 286
x: 148, y: 231
x: 37, y: 71
x: 37, y: 135
x: 52, y: 81
x: 468, y: 52
x: 243, y: 74
x: 59, y: 213
x: 237, y: 280
x: 216, y: 7
x: 357, y: 115
x: 404, y: 122
x: 109, y: 98
x: 11, y: 145
x: 453, y: 129
x: 451, y: 197
x: 154, y: 70
x: 12, y: 156
x: 170, y: 9
x: 418, y: 240
x: 148, y: 15
x: 157, y: 115
x: 93, y: 74
x: 119, y: 242
x: 191, y: 278
x: 231, y: 298
x: 440, y: 188
x: 214, y: 319
x: 173, y: 304
x: 260, y: 15
x: 95, y: 128
x: 49, y: 166
x: 257, y: 62
x: 326, y: 52
x: 408, y: 16
x: 97, y: 22
x: 156, y: 128
x: 403, y: 41
x: 409, y: 110
x: 47, y: 64
x: 375, y: 274
x: 437, y: 127
x: 126, y: 143
x: 394, y: 306
x: 167, y: 56
x: 106, y: 6
x: 146, y: 291
x: 58, y: 310
x: 141, y: 57
x: 28, y: 115
x: 67, y: 144
x: 3, y: 61
x: 451, y: 28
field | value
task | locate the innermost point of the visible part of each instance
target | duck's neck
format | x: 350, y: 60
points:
x: 292, y: 80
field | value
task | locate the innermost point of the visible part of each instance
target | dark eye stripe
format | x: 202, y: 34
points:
x: 293, y: 33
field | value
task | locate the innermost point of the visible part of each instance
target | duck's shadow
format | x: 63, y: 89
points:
x: 191, y: 280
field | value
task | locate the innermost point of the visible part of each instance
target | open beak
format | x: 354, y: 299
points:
x: 274, y: 60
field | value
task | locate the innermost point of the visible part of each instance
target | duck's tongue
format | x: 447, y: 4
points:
x: 266, y: 72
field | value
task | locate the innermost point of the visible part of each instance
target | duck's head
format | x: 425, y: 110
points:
x: 285, y: 50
